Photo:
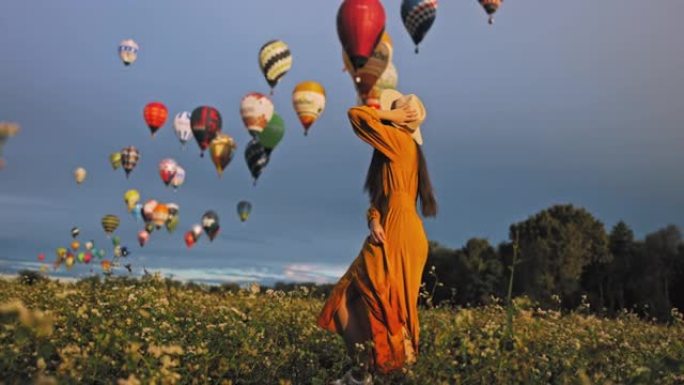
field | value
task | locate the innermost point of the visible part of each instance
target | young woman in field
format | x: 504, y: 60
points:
x: 376, y: 299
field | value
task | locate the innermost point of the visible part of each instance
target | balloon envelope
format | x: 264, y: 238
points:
x: 129, y: 159
x: 155, y: 114
x: 110, y: 223
x: 210, y: 224
x: 181, y: 126
x: 257, y: 158
x: 178, y: 178
x: 256, y: 110
x: 308, y: 100
x: 418, y: 16
x: 131, y: 198
x: 206, y: 123
x: 128, y: 51
x: 222, y: 149
x: 244, y: 208
x: 167, y: 170
x: 275, y: 60
x: 360, y: 24
x: 115, y: 160
x: 273, y: 133
x: 80, y: 175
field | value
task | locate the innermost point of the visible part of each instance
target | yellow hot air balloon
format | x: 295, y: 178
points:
x: 275, y: 60
x: 110, y: 223
x: 131, y: 197
x: 308, y: 99
x: 222, y: 149
x: 115, y: 160
x: 80, y: 174
x: 366, y: 76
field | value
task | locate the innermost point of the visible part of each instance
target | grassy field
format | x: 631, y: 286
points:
x: 153, y: 331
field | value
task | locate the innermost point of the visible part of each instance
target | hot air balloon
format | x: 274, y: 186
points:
x: 243, y: 209
x: 110, y: 223
x: 116, y: 241
x: 131, y: 198
x: 178, y: 178
x: 189, y: 238
x: 160, y: 215
x: 143, y: 237
x: 256, y: 110
x: 197, y: 231
x: 106, y: 266
x: 124, y: 251
x: 210, y: 224
x: 148, y: 209
x: 61, y: 252
x: 89, y: 245
x: 75, y: 231
x: 275, y: 60
x: 81, y: 256
x: 257, y: 158
x: 173, y: 220
x: 117, y: 251
x: 129, y: 159
x: 206, y: 124
x: 115, y: 160
x: 80, y: 175
x: 137, y: 211
x: 222, y: 149
x: 167, y: 170
x: 128, y: 51
x: 87, y: 257
x: 367, y: 76
x: 155, y: 114
x: 101, y: 253
x: 273, y: 133
x: 490, y: 6
x: 181, y: 125
x: 75, y: 245
x: 418, y: 16
x: 41, y: 257
x: 308, y: 99
x: 7, y: 130
x: 69, y: 261
x: 360, y: 24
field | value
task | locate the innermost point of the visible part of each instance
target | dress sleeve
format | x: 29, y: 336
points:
x: 372, y: 214
x: 371, y: 130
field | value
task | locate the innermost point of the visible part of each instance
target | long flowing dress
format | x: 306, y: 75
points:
x: 387, y: 276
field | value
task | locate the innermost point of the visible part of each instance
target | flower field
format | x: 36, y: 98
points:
x: 154, y: 331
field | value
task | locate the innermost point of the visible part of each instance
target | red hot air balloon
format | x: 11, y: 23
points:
x: 155, y: 114
x: 206, y: 123
x: 360, y: 24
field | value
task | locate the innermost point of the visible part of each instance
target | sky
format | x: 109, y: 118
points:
x: 577, y: 102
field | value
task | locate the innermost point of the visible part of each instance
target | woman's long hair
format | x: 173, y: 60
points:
x: 428, y: 204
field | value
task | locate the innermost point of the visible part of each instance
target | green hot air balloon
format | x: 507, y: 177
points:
x: 273, y: 133
x: 110, y: 223
x: 243, y: 209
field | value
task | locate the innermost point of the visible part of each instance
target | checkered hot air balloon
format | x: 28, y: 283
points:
x: 129, y: 159
x: 128, y: 51
x: 257, y: 158
x: 222, y: 149
x: 275, y: 60
x: 110, y: 223
x: 206, y: 123
x: 418, y: 16
x: 155, y: 114
x: 181, y: 125
x: 490, y: 6
x: 360, y: 24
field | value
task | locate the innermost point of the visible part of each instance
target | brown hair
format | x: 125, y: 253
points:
x: 428, y: 203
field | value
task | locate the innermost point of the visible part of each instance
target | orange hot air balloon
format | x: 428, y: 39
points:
x: 160, y: 215
x: 106, y: 265
x: 155, y: 114
x: 75, y: 245
x: 222, y: 149
x: 490, y: 6
x: 308, y: 99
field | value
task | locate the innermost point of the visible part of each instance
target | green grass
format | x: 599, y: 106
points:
x: 158, y: 332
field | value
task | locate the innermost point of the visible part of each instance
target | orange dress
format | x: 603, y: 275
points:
x: 388, y: 276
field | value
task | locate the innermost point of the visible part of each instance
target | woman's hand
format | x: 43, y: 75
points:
x: 377, y: 233
x: 402, y: 115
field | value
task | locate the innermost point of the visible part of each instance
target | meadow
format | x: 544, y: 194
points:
x: 157, y: 331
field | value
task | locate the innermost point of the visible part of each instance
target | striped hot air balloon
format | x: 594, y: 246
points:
x: 222, y: 149
x: 155, y: 114
x: 129, y: 159
x: 367, y: 76
x: 275, y: 60
x: 418, y: 16
x: 257, y: 158
x: 128, y: 51
x: 490, y: 6
x: 308, y: 99
x: 110, y: 223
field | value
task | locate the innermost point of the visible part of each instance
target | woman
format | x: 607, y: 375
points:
x: 376, y: 299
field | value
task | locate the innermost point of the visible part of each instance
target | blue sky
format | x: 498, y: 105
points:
x: 571, y: 102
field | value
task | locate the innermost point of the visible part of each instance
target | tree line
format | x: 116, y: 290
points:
x: 566, y: 257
